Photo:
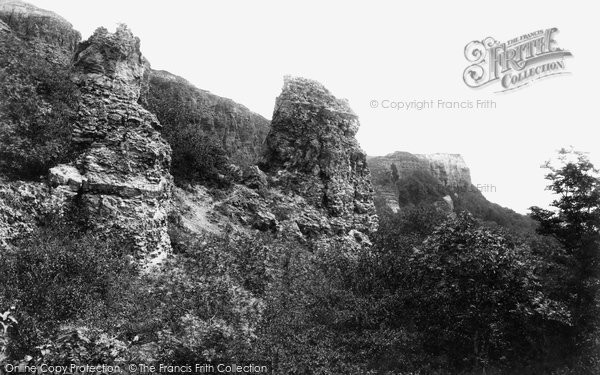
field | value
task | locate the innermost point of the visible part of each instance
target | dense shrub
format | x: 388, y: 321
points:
x: 430, y: 291
x: 38, y: 104
x: 55, y: 276
x: 419, y: 187
x: 198, y: 154
x: 196, y: 157
x: 478, y: 298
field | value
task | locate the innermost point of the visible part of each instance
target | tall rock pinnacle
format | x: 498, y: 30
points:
x: 311, y: 145
x: 122, y: 175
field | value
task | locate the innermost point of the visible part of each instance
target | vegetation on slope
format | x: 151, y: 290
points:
x: 434, y: 295
x: 205, y: 131
x: 38, y: 104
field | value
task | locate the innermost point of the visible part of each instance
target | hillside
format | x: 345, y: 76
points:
x: 180, y: 106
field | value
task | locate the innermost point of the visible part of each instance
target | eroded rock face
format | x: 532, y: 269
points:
x: 239, y: 131
x: 450, y: 169
x: 311, y: 151
x: 122, y: 175
x: 31, y: 22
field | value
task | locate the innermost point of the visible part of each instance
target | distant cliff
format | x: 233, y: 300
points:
x: 448, y: 170
x: 402, y: 179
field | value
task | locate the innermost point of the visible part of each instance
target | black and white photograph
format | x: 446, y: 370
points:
x: 299, y: 187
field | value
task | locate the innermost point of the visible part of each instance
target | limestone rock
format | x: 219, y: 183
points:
x: 450, y: 169
x: 254, y: 178
x: 66, y: 175
x: 123, y: 172
x: 312, y: 151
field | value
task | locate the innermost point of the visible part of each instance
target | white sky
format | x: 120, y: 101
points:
x: 383, y: 50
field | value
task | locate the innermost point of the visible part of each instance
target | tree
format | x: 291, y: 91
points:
x: 575, y: 222
x: 479, y: 299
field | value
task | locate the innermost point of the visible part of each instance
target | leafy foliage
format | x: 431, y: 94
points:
x: 418, y: 187
x: 38, y: 104
x: 575, y: 223
x: 198, y: 155
x: 56, y: 276
x: 478, y: 295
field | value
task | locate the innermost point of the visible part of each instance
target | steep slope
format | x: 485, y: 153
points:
x: 33, y: 23
x: 179, y: 106
x: 38, y: 103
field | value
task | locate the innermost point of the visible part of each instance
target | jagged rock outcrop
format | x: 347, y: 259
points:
x: 311, y: 151
x: 312, y: 185
x: 122, y: 176
x: 177, y: 103
x: 31, y: 22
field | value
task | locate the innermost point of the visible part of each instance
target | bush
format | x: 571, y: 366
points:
x: 419, y: 187
x: 58, y: 275
x: 38, y: 105
x: 197, y: 157
x: 479, y: 298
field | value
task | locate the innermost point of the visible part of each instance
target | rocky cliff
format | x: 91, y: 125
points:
x: 449, y: 171
x: 177, y: 104
x: 122, y: 176
x: 32, y: 22
x: 402, y: 179
x: 312, y: 182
